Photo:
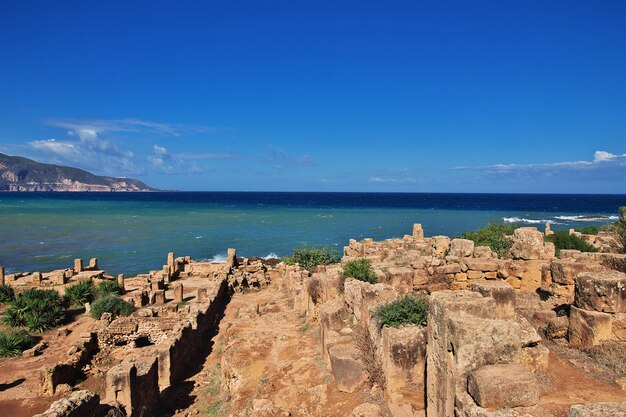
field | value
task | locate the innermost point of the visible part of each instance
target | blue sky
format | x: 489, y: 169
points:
x: 463, y: 96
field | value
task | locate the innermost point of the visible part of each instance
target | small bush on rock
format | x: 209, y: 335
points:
x: 109, y: 287
x: 311, y: 257
x: 494, y: 236
x: 39, y: 310
x: 405, y: 310
x: 563, y: 240
x: 7, y: 295
x: 110, y: 304
x: 14, y: 341
x: 360, y: 269
x: 81, y: 293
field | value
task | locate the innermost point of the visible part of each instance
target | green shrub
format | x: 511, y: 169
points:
x: 563, y: 240
x: 110, y: 303
x: 109, y: 287
x: 360, y: 269
x: 494, y: 236
x: 39, y: 310
x: 14, y: 341
x: 404, y: 310
x: 311, y: 257
x: 7, y: 294
x: 589, y: 230
x: 80, y: 293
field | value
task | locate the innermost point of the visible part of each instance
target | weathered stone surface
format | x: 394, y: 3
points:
x: 481, y: 265
x: 527, y: 244
x: 601, y: 291
x: 589, y: 328
x: 418, y: 232
x: 367, y: 410
x: 362, y: 298
x: 346, y: 367
x: 502, y: 293
x: 564, y: 270
x: 449, y: 269
x: 533, y: 358
x: 503, y: 386
x: 463, y: 248
x: 76, y: 404
x: 440, y: 245
x: 404, y: 364
x: 483, y: 252
x: 598, y: 410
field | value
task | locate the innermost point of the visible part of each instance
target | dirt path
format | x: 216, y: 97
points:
x: 271, y: 365
x: 569, y: 385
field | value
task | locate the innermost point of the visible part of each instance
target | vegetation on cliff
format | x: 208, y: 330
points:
x: 78, y: 294
x: 360, y: 269
x: 495, y: 236
x: 310, y: 257
x: 404, y: 310
x: 563, y: 240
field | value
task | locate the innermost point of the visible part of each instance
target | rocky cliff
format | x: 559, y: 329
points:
x: 22, y: 174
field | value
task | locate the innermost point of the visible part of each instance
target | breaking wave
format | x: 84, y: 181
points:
x: 220, y: 257
x: 529, y: 221
x: 585, y: 218
x: 271, y: 255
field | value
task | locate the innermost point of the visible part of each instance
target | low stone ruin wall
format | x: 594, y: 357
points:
x: 136, y: 384
x: 70, y: 371
x: 77, y: 404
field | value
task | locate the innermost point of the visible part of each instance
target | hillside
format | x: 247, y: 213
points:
x: 22, y: 174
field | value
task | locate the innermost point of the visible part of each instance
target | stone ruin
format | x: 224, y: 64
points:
x: 479, y: 356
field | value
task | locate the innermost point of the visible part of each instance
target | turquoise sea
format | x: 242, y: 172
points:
x: 132, y: 232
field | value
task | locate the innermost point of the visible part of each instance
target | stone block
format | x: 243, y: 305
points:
x: 472, y: 275
x: 564, y: 270
x: 418, y: 232
x: 201, y: 296
x: 93, y: 264
x: 606, y: 409
x: 619, y: 326
x: 179, y: 294
x: 231, y: 257
x: 346, y: 367
x: 527, y: 244
x: 601, y: 291
x: 589, y: 328
x: 76, y: 404
x: 463, y: 248
x: 404, y: 364
x: 2, y: 279
x: 502, y: 293
x: 483, y: 252
x: 440, y: 246
x: 78, y: 265
x: 449, y: 269
x: 533, y: 358
x: 503, y: 386
x: 481, y: 265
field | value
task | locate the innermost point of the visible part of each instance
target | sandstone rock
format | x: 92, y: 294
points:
x: 601, y: 291
x: 449, y: 269
x: 588, y: 328
x: 481, y: 265
x: 483, y: 252
x: 598, y: 410
x: 503, y: 386
x: 404, y: 364
x: 77, y: 404
x: 503, y: 294
x: 440, y: 245
x: 347, y: 368
x: 527, y: 244
x: 564, y: 271
x: 534, y: 358
x: 367, y: 410
x: 418, y: 232
x: 557, y: 327
x: 462, y: 248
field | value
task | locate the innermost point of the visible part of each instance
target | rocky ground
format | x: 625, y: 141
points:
x: 267, y: 362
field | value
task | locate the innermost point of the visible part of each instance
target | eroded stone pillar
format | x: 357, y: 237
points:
x: 418, y: 232
x: 201, y: 297
x: 120, y: 282
x: 93, y: 264
x: 231, y: 257
x: 2, y: 275
x: 178, y: 294
x: 78, y: 265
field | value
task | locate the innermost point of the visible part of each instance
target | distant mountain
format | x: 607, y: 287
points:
x: 22, y: 174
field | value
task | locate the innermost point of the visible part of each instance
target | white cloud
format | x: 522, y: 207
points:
x: 160, y: 150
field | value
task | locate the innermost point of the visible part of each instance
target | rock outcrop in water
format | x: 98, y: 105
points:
x: 22, y: 174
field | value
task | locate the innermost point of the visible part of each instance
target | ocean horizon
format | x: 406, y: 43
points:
x: 131, y: 233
